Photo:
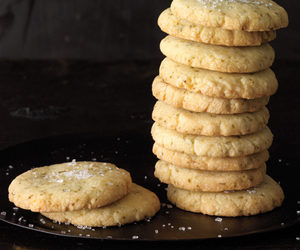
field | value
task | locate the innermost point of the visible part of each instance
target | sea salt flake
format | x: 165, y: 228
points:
x: 3, y: 213
x: 218, y: 219
x: 30, y: 225
x: 219, y: 236
x: 189, y: 228
x: 169, y: 206
x: 297, y: 238
x: 226, y: 228
x: 156, y: 231
x: 134, y: 237
x: 10, y: 167
x: 181, y: 228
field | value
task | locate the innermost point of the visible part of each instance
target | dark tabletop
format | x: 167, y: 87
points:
x: 48, y: 98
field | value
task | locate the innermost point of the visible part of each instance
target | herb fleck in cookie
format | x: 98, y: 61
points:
x: 218, y: 58
x: 211, y: 163
x: 139, y: 204
x: 260, y: 199
x: 208, y: 181
x: 212, y: 146
x: 248, y: 15
x: 197, y: 102
x: 177, y: 27
x: 218, y: 84
x: 69, y: 186
x: 197, y: 123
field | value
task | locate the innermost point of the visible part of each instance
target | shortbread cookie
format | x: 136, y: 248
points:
x: 69, y: 186
x: 218, y: 84
x: 263, y: 198
x: 196, y: 102
x: 196, y: 123
x: 218, y: 58
x: 174, y: 26
x: 211, y: 163
x: 208, y: 181
x: 139, y: 204
x: 212, y: 146
x: 248, y: 15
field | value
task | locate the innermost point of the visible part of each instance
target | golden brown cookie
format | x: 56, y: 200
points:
x: 218, y: 58
x: 197, y: 123
x: 69, y: 186
x: 139, y: 204
x: 208, y: 181
x: 212, y: 146
x: 248, y: 15
x: 218, y: 84
x: 177, y: 27
x: 260, y: 199
x: 211, y: 163
x: 196, y: 102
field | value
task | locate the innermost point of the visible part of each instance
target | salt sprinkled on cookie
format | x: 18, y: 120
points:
x: 216, y: 4
x: 69, y: 186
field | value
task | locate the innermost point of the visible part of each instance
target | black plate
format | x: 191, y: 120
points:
x: 133, y: 152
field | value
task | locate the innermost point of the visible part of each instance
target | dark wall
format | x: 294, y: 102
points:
x: 102, y: 30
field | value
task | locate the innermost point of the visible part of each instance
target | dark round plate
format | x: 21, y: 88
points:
x: 132, y: 151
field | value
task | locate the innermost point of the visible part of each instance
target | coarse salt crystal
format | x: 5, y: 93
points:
x: 218, y: 219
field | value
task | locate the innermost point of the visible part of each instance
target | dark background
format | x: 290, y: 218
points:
x: 74, y: 66
x: 102, y: 30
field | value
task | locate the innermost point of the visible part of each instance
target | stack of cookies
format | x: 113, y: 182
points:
x: 210, y: 130
x: 94, y: 194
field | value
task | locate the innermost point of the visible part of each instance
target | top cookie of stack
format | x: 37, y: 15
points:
x: 210, y: 120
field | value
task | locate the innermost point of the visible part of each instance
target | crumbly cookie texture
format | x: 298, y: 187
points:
x: 208, y: 181
x: 69, y: 186
x: 211, y: 163
x: 203, y: 123
x: 260, y: 199
x: 218, y: 84
x: 197, y: 102
x: 139, y: 204
x: 177, y: 27
x: 247, y: 15
x: 212, y: 146
x: 218, y: 58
